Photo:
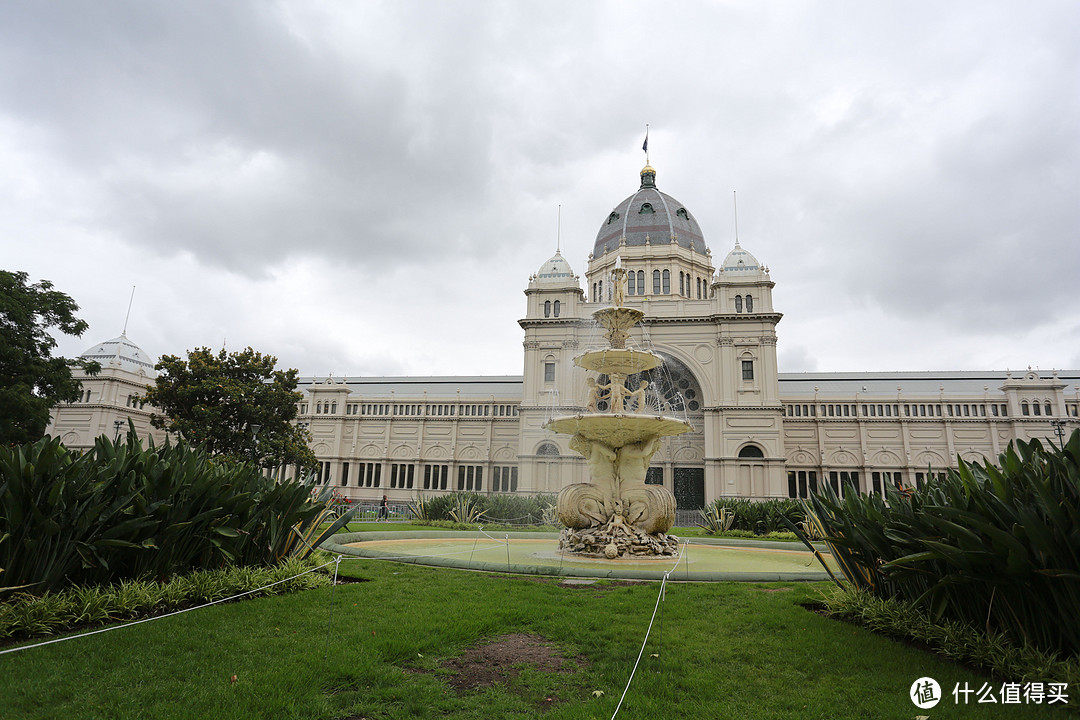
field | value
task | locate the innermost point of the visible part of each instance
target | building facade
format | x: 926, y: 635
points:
x: 757, y: 432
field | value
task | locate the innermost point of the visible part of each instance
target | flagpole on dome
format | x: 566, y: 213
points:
x: 558, y: 232
x: 128, y: 316
x: 645, y: 145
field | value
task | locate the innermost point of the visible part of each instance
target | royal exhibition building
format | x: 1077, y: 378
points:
x: 757, y: 432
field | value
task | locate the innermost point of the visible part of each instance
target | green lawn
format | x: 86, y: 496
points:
x: 725, y: 651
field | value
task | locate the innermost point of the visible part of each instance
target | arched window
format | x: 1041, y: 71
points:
x: 681, y: 212
x: 681, y: 285
x: 738, y: 303
x: 667, y: 282
x: 333, y: 408
x: 646, y: 209
x: 600, y: 297
x: 1024, y: 409
x: 631, y: 283
x: 640, y: 282
x: 547, y: 308
x: 1049, y: 412
x: 318, y: 408
x: 751, y: 451
x: 595, y: 297
x: 612, y: 217
x: 655, y: 282
x: 699, y: 288
x: 557, y: 305
x: 548, y: 449
x: 749, y: 303
x: 1036, y: 408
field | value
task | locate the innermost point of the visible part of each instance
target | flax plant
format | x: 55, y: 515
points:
x: 996, y: 547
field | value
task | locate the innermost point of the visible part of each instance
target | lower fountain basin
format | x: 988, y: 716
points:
x: 618, y: 430
x: 703, y: 559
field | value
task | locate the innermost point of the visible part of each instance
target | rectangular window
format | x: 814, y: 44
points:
x: 549, y: 372
x: 654, y: 476
x: 747, y: 370
x: 344, y: 474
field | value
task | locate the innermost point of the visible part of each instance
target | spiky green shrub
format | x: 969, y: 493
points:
x: 516, y: 509
x: 466, y: 508
x: 26, y: 614
x: 498, y: 508
x: 716, y: 519
x: 956, y: 640
x: 122, y: 511
x: 996, y: 547
x: 759, y: 516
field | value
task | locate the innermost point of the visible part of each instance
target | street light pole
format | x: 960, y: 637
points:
x: 117, y: 424
x: 1059, y: 428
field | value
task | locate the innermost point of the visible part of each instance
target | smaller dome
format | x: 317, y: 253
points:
x: 556, y: 271
x: 740, y: 261
x: 121, y: 352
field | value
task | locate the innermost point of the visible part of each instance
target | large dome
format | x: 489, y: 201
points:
x: 649, y: 215
x: 121, y: 352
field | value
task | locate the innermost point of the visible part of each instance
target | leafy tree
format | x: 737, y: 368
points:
x: 31, y: 380
x: 215, y: 401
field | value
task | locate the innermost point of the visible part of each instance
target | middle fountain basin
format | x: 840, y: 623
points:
x: 618, y: 430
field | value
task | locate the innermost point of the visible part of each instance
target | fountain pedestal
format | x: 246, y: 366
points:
x: 616, y: 514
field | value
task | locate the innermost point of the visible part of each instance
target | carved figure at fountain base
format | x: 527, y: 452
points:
x: 617, y: 538
x: 584, y: 505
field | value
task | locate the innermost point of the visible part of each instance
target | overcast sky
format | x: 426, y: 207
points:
x: 365, y: 188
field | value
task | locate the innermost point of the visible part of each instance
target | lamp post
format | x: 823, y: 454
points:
x: 1059, y: 428
x: 117, y: 424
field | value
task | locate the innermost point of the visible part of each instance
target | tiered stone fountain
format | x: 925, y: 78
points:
x: 616, y: 514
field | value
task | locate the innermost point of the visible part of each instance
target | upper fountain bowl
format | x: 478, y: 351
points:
x: 623, y: 361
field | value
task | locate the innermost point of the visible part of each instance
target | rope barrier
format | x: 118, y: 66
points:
x: 162, y: 617
x: 659, y: 596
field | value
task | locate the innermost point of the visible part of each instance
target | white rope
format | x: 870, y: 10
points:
x: 663, y: 584
x: 481, y: 531
x: 162, y: 617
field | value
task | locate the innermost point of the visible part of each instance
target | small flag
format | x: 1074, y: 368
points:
x: 645, y: 145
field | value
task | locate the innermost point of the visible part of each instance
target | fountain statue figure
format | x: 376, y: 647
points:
x: 616, y: 514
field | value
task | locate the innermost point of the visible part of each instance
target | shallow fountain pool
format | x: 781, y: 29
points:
x: 703, y: 559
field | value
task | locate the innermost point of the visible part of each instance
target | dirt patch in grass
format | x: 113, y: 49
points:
x: 502, y: 659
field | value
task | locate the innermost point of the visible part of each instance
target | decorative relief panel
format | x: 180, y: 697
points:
x: 436, y: 452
